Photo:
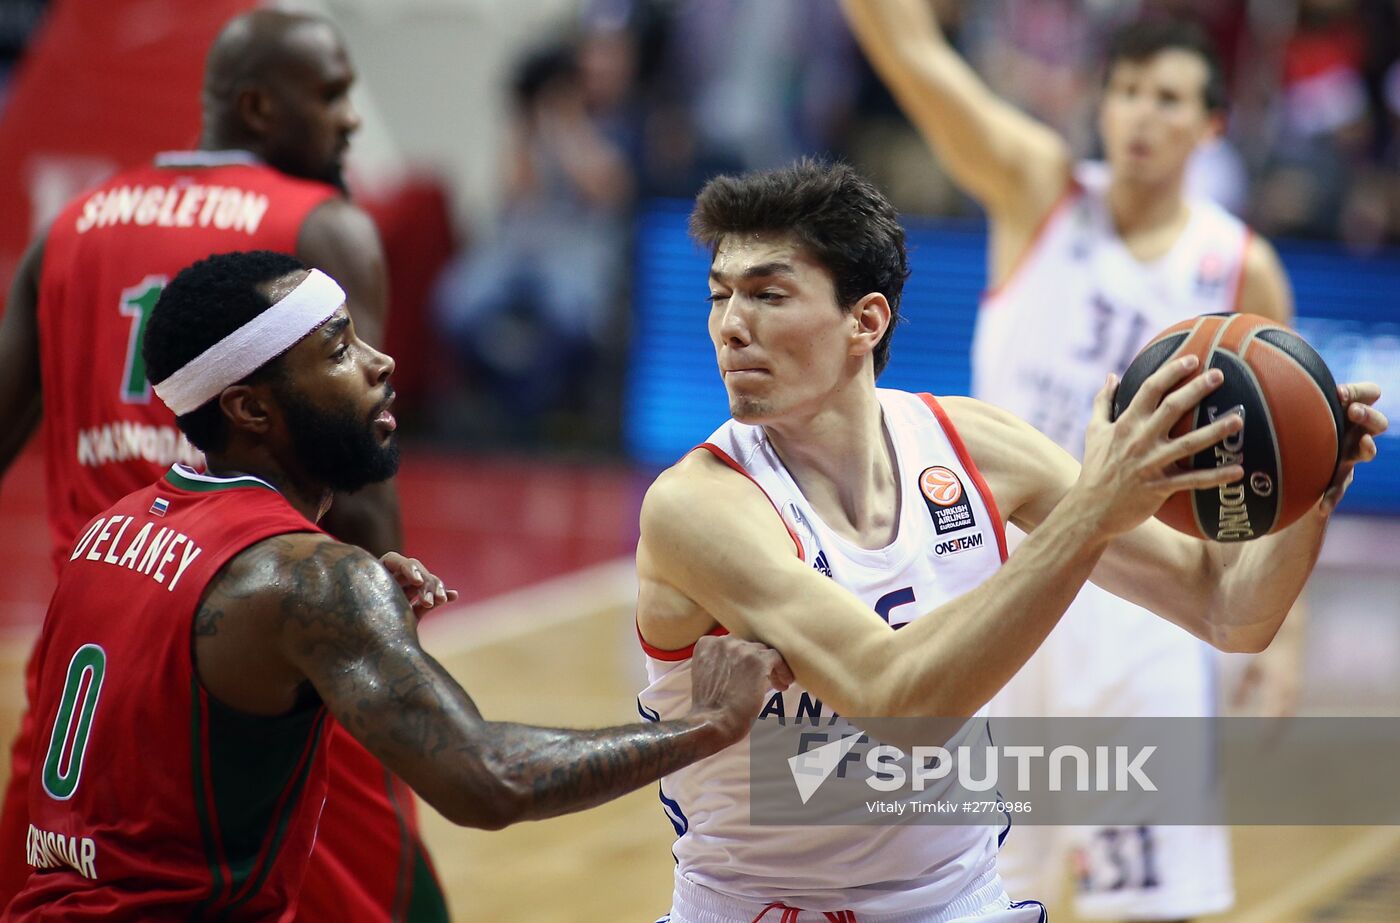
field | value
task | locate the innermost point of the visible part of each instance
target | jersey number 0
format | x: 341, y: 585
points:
x: 64, y: 764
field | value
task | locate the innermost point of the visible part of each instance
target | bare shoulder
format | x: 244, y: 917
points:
x: 338, y: 224
x: 995, y: 438
x: 1264, y: 287
x: 298, y: 579
x: 1260, y: 256
x: 987, y: 430
x: 1026, y: 471
x: 341, y: 239
x: 292, y: 608
x: 700, y: 485
x: 702, y: 519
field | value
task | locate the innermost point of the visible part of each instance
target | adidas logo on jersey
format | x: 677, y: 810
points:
x: 820, y: 565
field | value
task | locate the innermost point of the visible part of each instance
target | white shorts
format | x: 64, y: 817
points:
x: 1109, y: 658
x: 985, y: 902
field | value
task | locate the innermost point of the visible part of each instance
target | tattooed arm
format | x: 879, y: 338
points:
x: 303, y: 608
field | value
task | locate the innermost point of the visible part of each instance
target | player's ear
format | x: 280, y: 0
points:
x: 254, y: 108
x: 247, y: 408
x: 1215, y: 126
x: 871, y: 316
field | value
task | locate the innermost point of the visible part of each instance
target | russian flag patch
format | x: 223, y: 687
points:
x: 159, y: 507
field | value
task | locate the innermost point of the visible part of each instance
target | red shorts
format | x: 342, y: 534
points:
x: 369, y: 863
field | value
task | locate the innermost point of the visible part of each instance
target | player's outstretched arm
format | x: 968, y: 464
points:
x: 20, y: 402
x: 339, y: 239
x: 1234, y: 596
x: 711, y: 535
x: 1013, y: 165
x: 331, y: 615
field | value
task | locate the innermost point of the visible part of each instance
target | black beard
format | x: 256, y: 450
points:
x: 336, y: 448
x: 335, y: 176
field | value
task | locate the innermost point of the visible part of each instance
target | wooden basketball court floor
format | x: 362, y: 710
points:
x: 579, y: 665
x: 563, y: 652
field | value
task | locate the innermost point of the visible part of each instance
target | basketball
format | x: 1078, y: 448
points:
x: 1292, y: 433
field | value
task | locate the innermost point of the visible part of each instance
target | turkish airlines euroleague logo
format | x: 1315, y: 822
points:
x: 947, y: 500
x: 941, y: 485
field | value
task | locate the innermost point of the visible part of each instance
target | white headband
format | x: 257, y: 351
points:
x: 253, y: 345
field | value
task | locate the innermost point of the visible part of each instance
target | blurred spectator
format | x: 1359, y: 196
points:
x: 1322, y: 121
x: 18, y: 20
x: 1035, y: 54
x: 655, y: 96
x: 1312, y: 145
x: 749, y: 86
x: 528, y: 311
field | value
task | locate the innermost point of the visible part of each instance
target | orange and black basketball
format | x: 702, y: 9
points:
x: 1292, y: 433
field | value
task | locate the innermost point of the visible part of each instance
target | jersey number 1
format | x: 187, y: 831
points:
x: 69, y: 740
x: 137, y: 303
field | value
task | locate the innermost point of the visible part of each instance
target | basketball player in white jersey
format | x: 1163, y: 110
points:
x: 1087, y: 263
x: 828, y: 512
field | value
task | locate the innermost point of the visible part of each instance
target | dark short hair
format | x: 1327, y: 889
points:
x: 204, y: 303
x: 544, y: 69
x: 1140, y: 41
x: 836, y: 214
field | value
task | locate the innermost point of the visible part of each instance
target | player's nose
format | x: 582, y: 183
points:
x: 381, y: 365
x: 349, y: 118
x: 734, y: 324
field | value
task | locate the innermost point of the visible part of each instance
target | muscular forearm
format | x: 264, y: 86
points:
x: 906, y: 47
x: 953, y: 660
x: 1259, y: 583
x: 545, y: 772
x: 889, y: 28
x: 1011, y: 164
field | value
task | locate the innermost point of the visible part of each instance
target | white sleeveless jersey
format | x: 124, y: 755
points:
x: 1080, y: 306
x: 950, y: 539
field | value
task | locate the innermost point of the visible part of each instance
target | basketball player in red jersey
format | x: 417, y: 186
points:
x: 1087, y: 262
x: 277, y: 121
x: 180, y: 771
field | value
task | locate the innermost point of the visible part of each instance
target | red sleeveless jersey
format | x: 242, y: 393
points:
x: 106, y: 434
x: 150, y: 800
x: 107, y: 256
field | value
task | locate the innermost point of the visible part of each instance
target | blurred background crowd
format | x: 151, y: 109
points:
x: 508, y: 150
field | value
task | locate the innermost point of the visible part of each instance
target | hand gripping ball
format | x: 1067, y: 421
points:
x: 1293, y: 423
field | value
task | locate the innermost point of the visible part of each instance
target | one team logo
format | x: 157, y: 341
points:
x: 947, y: 501
x: 954, y: 545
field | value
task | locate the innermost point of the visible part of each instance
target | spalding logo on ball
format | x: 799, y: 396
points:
x: 1292, y: 435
